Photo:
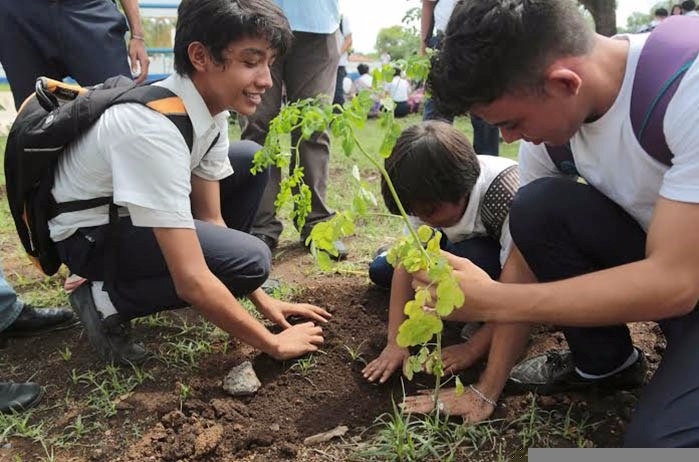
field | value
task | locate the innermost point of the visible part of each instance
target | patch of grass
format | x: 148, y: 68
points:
x: 108, y: 387
x: 304, y: 366
x: 355, y: 354
x: 403, y: 437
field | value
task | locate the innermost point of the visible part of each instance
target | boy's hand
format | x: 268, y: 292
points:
x: 277, y: 311
x: 297, y: 341
x: 389, y: 360
x: 469, y: 406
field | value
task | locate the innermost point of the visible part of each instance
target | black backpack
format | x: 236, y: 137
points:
x: 53, y: 117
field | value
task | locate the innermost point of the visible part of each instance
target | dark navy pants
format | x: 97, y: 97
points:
x: 82, y: 39
x: 565, y: 229
x: 143, y: 284
x: 483, y: 251
x: 486, y: 137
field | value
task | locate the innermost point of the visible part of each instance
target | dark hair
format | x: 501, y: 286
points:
x: 431, y: 163
x: 492, y: 47
x: 217, y: 23
x: 688, y: 5
x: 396, y: 71
x: 363, y: 69
x: 660, y: 12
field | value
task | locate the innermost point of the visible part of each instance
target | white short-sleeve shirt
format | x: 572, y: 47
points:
x: 471, y: 223
x: 610, y: 158
x: 137, y: 156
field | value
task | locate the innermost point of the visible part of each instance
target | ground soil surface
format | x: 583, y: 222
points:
x: 152, y: 425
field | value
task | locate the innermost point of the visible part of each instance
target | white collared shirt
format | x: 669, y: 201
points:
x: 139, y: 157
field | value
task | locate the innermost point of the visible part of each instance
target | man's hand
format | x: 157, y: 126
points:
x: 139, y: 59
x: 467, y: 274
x: 277, y: 311
x: 297, y: 341
x: 388, y: 361
x: 469, y: 406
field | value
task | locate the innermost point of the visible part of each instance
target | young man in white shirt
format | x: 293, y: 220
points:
x: 621, y: 248
x: 444, y: 184
x: 184, y: 216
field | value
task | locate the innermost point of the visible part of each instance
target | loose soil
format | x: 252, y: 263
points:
x: 150, y: 424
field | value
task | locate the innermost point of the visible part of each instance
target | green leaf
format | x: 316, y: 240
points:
x: 459, y: 386
x: 418, y: 329
x: 424, y: 232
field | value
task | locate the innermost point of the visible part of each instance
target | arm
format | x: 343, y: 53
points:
x: 206, y: 201
x: 393, y: 355
x: 425, y: 23
x: 137, y: 47
x: 509, y: 340
x: 662, y: 285
x: 346, y: 44
x: 195, y: 284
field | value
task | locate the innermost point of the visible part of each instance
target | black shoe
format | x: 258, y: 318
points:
x: 554, y: 372
x: 111, y: 337
x: 18, y: 396
x: 33, y: 321
x: 269, y: 241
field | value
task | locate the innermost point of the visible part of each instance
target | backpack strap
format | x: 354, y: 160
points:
x: 562, y: 158
x: 669, y: 51
x: 164, y: 101
x: 497, y: 200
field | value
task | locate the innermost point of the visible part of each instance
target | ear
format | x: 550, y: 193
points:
x: 562, y: 81
x: 198, y: 56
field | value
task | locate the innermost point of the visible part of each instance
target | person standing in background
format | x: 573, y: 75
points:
x: 345, y: 41
x: 79, y: 39
x: 308, y: 69
x: 435, y: 17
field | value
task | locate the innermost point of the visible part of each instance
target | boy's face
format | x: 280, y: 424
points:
x: 440, y: 214
x: 240, y: 81
x: 534, y: 118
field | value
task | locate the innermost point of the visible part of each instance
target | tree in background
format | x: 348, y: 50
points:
x: 398, y: 41
x: 604, y: 14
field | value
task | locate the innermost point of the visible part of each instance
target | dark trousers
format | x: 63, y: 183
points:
x: 142, y: 283
x: 566, y: 229
x: 339, y: 91
x: 308, y: 69
x: 83, y: 39
x: 486, y: 137
x: 483, y: 251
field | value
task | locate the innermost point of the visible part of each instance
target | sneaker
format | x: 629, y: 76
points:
x: 469, y: 329
x: 111, y: 336
x: 554, y: 372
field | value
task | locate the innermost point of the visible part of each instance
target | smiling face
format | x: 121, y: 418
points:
x: 237, y: 83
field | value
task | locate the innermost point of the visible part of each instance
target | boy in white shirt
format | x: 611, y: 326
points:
x: 441, y: 181
x: 181, y: 238
x: 621, y: 247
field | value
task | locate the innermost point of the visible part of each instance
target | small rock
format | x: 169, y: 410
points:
x: 326, y: 436
x: 547, y: 401
x: 274, y: 427
x: 241, y: 380
x: 7, y: 446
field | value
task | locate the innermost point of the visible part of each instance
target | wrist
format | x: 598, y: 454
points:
x: 481, y: 395
x: 139, y: 37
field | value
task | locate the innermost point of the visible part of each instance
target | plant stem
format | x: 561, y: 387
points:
x: 394, y: 194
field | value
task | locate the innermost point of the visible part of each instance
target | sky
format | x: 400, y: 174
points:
x: 367, y: 17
